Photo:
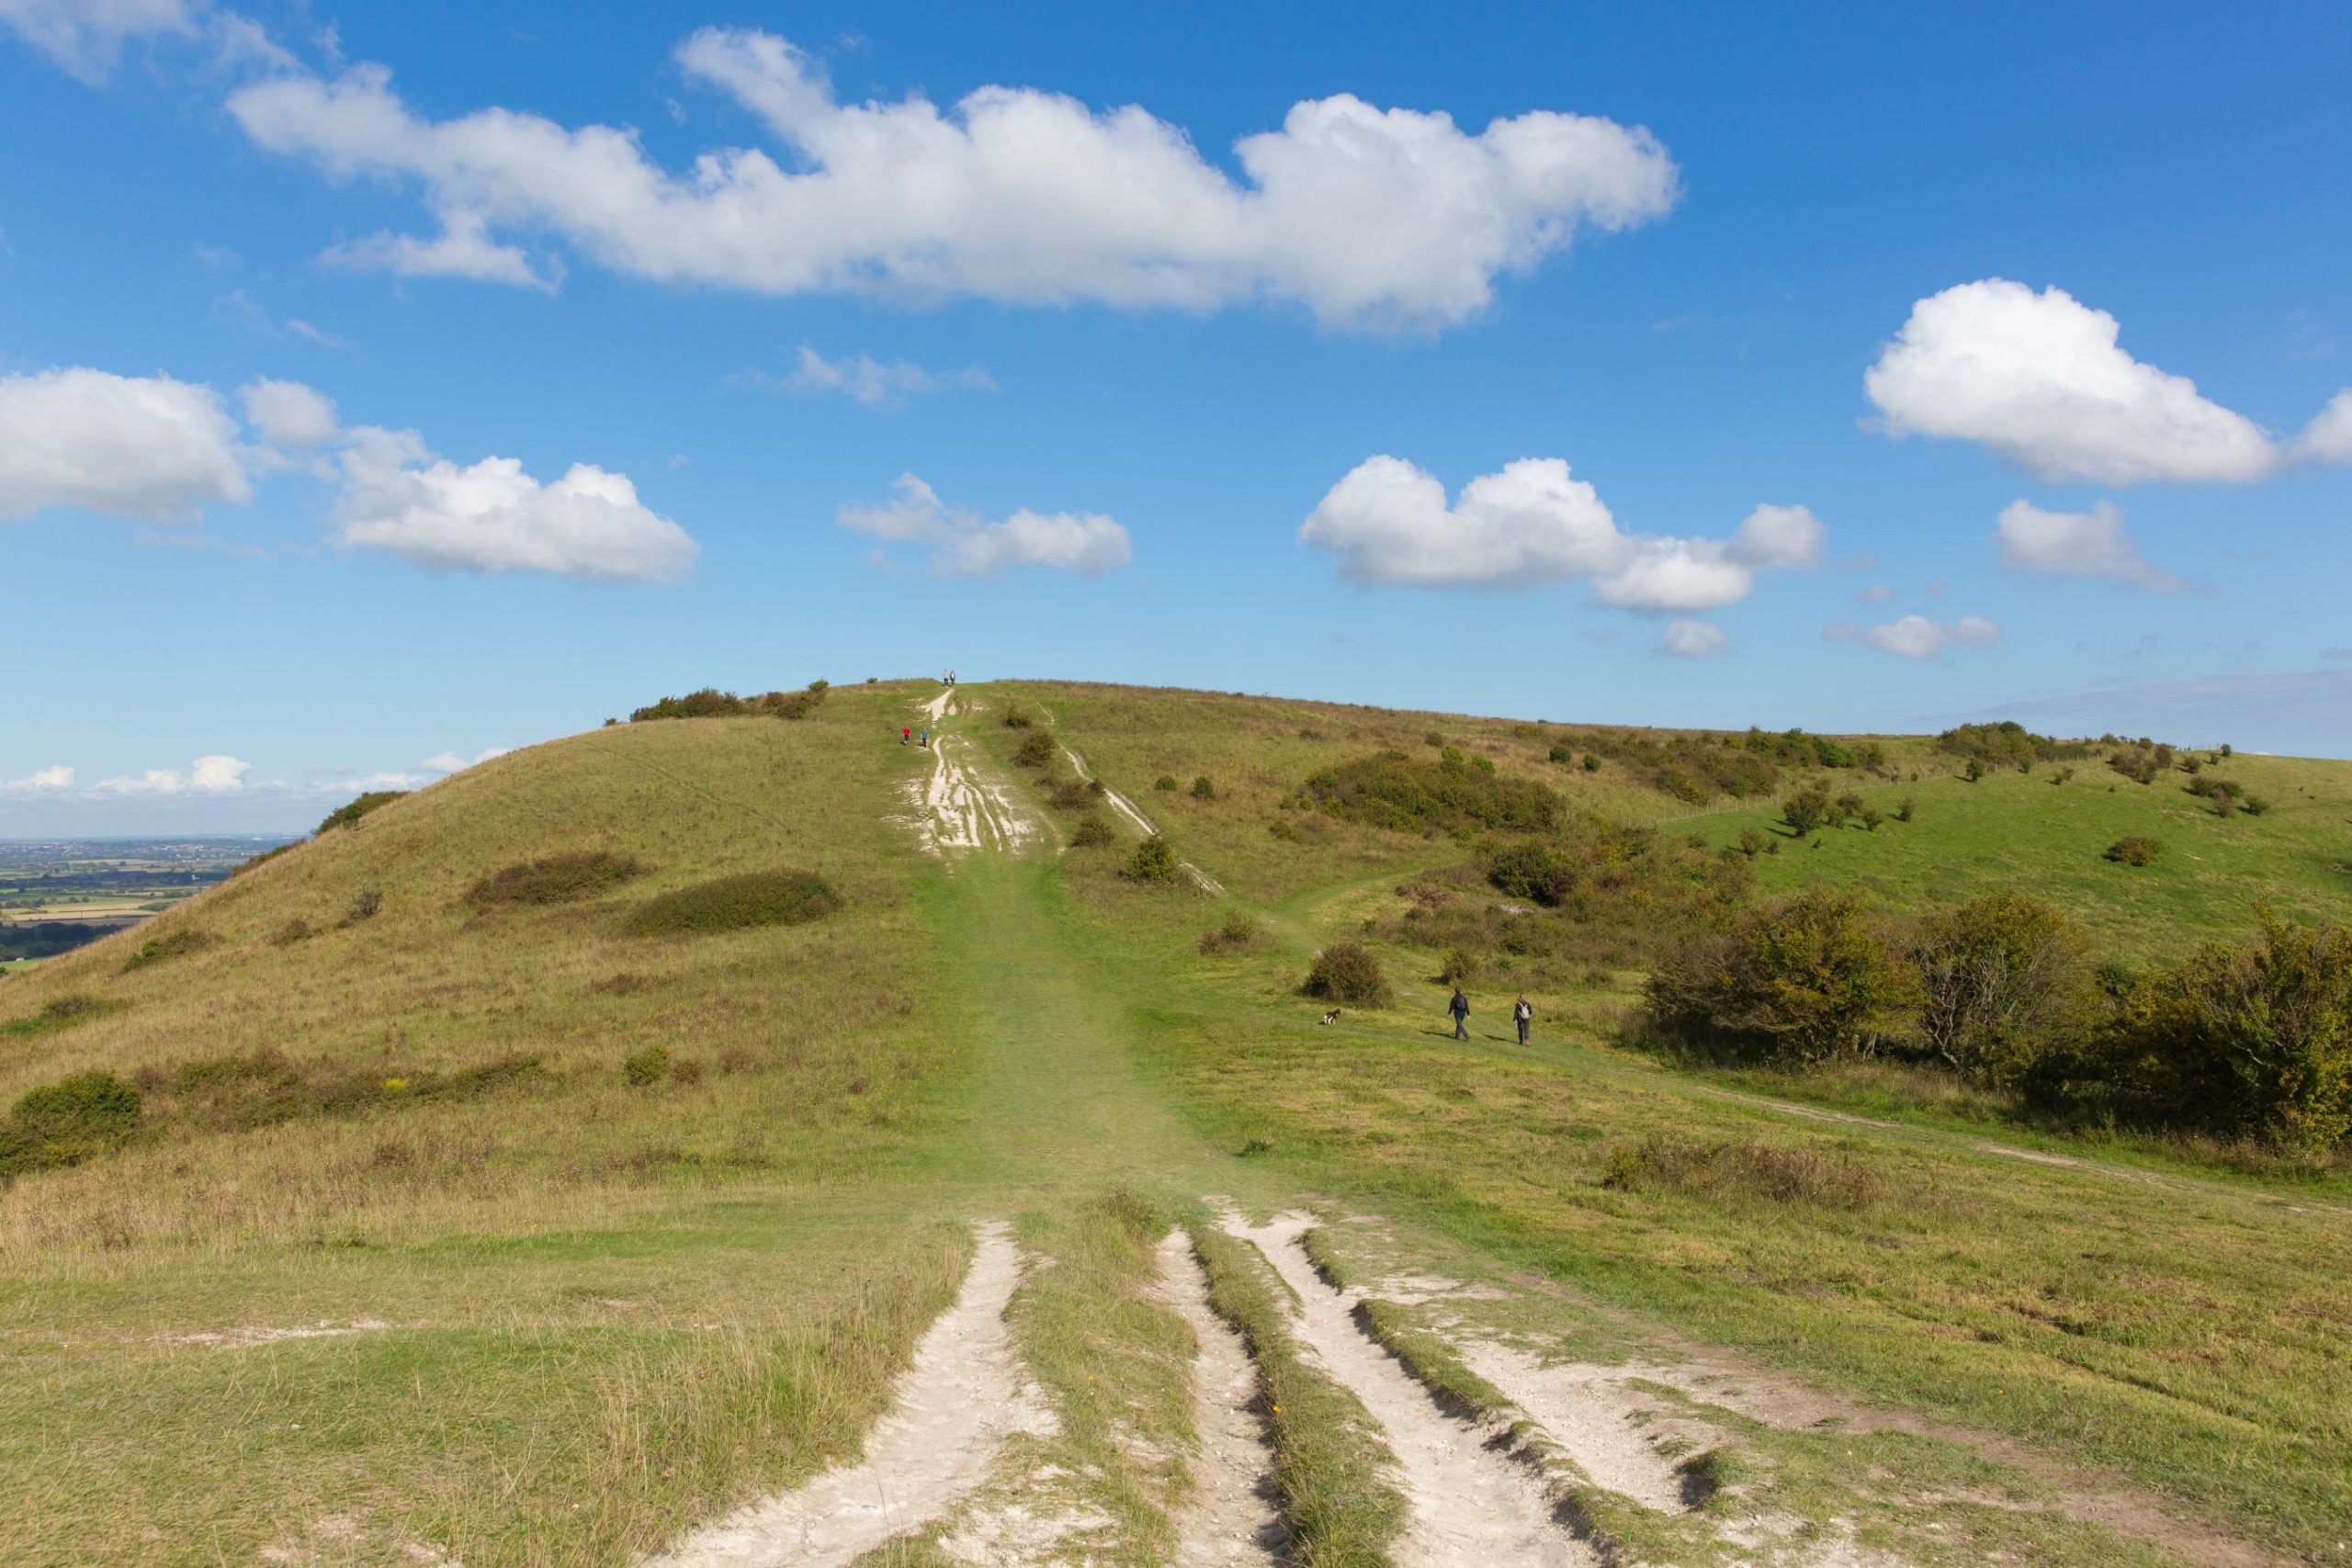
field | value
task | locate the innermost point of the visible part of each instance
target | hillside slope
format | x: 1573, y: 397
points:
x: 464, y: 1230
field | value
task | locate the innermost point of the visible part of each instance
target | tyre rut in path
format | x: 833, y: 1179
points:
x: 1471, y: 1505
x: 1229, y: 1522
x: 950, y: 1413
x: 1127, y: 809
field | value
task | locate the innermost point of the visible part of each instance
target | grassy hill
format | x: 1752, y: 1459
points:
x: 519, y: 1232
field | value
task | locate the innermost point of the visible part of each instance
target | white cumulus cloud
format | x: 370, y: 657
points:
x: 2077, y: 544
x: 2328, y: 438
x: 205, y: 775
x: 869, y: 382
x: 1371, y: 217
x: 491, y: 517
x: 288, y: 413
x: 451, y: 762
x: 41, y: 779
x: 1692, y: 640
x: 145, y: 448
x: 1916, y: 637
x: 85, y: 36
x: 463, y: 249
x: 964, y: 544
x: 2041, y: 380
x: 1387, y: 521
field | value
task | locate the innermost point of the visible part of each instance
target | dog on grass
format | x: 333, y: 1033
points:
x: 1331, y: 1017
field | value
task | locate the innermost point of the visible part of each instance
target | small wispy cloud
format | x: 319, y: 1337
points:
x: 868, y: 382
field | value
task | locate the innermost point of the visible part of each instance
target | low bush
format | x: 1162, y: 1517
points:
x: 57, y: 1014
x: 292, y: 932
x: 1203, y: 788
x: 2242, y: 1038
x: 1036, y: 751
x: 1811, y: 979
x: 735, y: 903
x: 178, y: 944
x: 67, y: 1121
x: 1741, y: 1171
x: 1460, y: 967
x: 556, y: 879
x: 1093, y: 831
x: 1239, y: 934
x: 346, y: 816
x: 1018, y: 717
x: 1348, y: 972
x: 262, y: 859
x: 2005, y: 979
x: 1154, y: 861
x: 2135, y: 850
x: 365, y: 904
x: 1805, y: 810
x: 1165, y: 780
x: 647, y: 1067
x: 1394, y: 791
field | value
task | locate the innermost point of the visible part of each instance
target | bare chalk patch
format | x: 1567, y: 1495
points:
x: 1470, y: 1505
x: 951, y: 1413
x: 1229, y: 1522
x: 1613, y: 1433
x: 240, y: 1338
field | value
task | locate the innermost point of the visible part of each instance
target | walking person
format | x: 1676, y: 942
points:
x: 906, y: 733
x: 1523, y: 1013
x: 1460, y: 1007
x: 926, y: 746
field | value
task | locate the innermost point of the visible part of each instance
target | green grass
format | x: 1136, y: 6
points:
x: 1041, y: 1039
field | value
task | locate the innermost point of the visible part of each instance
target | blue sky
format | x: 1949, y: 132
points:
x: 1200, y: 352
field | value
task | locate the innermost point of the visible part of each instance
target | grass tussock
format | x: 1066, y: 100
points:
x: 556, y: 879
x: 1743, y: 1171
x: 737, y: 903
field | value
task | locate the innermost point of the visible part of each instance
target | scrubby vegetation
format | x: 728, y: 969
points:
x: 1347, y: 972
x: 710, y: 701
x: 736, y: 903
x: 67, y: 1121
x: 173, y: 945
x: 1740, y: 1172
x: 2009, y: 742
x: 1814, y: 977
x: 2134, y: 848
x: 1404, y: 793
x: 556, y: 879
x: 1154, y: 861
x: 1238, y: 934
x: 342, y: 816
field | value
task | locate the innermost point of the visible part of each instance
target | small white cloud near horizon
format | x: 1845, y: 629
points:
x: 400, y: 497
x: 1916, y: 637
x: 1692, y: 640
x: 2077, y: 544
x: 207, y: 775
x: 1373, y: 219
x: 41, y: 780
x: 446, y: 762
x: 868, y: 382
x: 965, y: 544
x: 149, y: 448
x: 1387, y: 522
x: 2040, y: 380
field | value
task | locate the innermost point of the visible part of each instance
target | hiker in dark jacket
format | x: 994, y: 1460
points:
x: 1523, y: 1013
x: 1460, y: 1007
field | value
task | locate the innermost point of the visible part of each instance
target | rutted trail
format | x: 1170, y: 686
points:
x: 1471, y: 1507
x: 959, y: 807
x: 1228, y: 1523
x: 950, y: 1411
x: 1127, y: 809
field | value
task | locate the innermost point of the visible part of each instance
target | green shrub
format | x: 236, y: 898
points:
x: 1238, y: 934
x: 58, y: 1014
x: 1347, y: 972
x: 178, y: 944
x: 1284, y: 829
x: 264, y: 858
x: 1805, y: 810
x: 2005, y: 979
x: 1752, y: 841
x: 1592, y: 764
x: 1204, y: 789
x: 1743, y: 1171
x: 556, y: 879
x: 67, y: 1121
x: 1561, y: 753
x: 1036, y: 751
x: 1165, y: 780
x: 1017, y: 717
x: 1400, y: 792
x: 344, y: 817
x: 2135, y: 850
x: 707, y: 703
x: 647, y: 1067
x: 1810, y: 978
x: 365, y: 904
x: 1460, y: 967
x: 796, y: 705
x: 1903, y: 809
x: 1154, y: 861
x: 1091, y: 831
x: 2243, y: 1038
x: 290, y: 933
x: 734, y: 903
